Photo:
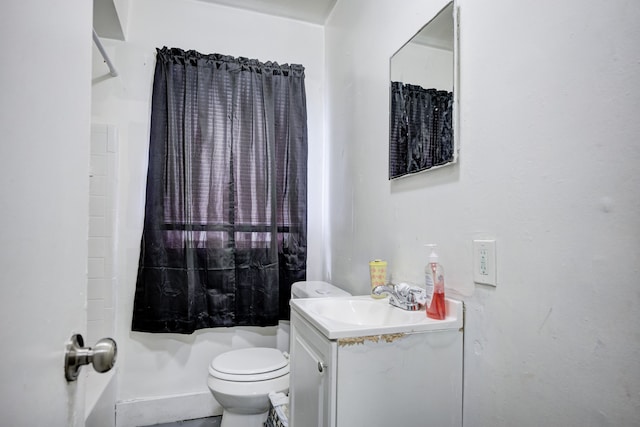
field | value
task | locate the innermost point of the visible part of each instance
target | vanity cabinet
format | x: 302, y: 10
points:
x: 397, y: 379
x: 313, y: 376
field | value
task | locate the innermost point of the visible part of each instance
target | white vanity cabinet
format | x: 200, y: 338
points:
x: 312, y: 372
x: 391, y: 379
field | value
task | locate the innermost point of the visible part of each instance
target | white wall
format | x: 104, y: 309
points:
x: 101, y: 280
x: 101, y: 268
x: 160, y: 365
x: 548, y: 166
x: 122, y: 9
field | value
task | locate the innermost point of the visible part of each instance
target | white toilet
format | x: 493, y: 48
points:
x: 241, y: 380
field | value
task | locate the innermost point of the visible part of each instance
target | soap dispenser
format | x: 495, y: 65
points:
x: 434, y: 280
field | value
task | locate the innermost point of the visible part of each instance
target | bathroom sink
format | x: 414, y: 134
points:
x: 358, y: 311
x: 353, y: 316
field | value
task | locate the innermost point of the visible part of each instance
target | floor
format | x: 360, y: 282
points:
x: 200, y: 422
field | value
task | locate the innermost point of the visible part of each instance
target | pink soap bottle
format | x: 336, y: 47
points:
x: 435, y: 276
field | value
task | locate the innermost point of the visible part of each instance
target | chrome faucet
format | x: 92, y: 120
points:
x: 404, y: 297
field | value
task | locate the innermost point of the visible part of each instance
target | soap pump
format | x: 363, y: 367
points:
x: 434, y: 280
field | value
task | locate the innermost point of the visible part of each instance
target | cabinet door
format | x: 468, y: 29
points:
x: 312, y: 377
x: 404, y: 380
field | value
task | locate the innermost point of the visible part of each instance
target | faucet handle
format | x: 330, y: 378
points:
x: 418, y: 295
x: 412, y: 294
x: 402, y: 289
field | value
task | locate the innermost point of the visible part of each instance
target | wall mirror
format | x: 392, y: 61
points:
x: 423, y: 109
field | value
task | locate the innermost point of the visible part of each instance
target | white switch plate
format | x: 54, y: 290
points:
x: 484, y: 262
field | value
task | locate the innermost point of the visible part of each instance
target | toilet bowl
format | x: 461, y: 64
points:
x: 241, y: 380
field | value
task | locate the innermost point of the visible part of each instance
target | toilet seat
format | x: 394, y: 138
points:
x: 249, y: 364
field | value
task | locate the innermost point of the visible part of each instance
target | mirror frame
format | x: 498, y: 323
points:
x: 455, y: 91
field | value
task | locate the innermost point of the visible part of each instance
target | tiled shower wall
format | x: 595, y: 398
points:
x: 102, y: 231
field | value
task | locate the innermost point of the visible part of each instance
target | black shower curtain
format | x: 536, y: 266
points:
x: 225, y: 219
x: 421, y: 129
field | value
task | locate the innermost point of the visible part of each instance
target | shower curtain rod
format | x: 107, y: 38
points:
x: 112, y: 68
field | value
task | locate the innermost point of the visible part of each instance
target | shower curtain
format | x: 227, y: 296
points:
x: 225, y: 218
x: 421, y: 129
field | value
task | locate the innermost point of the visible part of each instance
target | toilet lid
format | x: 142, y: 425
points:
x: 250, y: 364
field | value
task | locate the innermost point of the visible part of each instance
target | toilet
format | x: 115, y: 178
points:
x: 241, y: 380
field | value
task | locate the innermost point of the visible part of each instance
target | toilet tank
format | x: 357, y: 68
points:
x: 316, y: 289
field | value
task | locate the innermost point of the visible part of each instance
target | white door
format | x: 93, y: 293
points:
x: 45, y: 108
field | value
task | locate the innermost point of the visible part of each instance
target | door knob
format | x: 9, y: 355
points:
x: 102, y: 356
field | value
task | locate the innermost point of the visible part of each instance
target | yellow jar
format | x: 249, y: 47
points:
x: 378, y: 274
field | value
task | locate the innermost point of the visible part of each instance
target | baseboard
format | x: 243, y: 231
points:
x: 166, y: 409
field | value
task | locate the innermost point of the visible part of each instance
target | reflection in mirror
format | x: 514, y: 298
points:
x: 421, y: 133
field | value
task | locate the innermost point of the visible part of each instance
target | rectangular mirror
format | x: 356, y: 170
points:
x: 422, y: 103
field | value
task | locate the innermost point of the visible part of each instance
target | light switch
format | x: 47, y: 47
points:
x: 484, y: 262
